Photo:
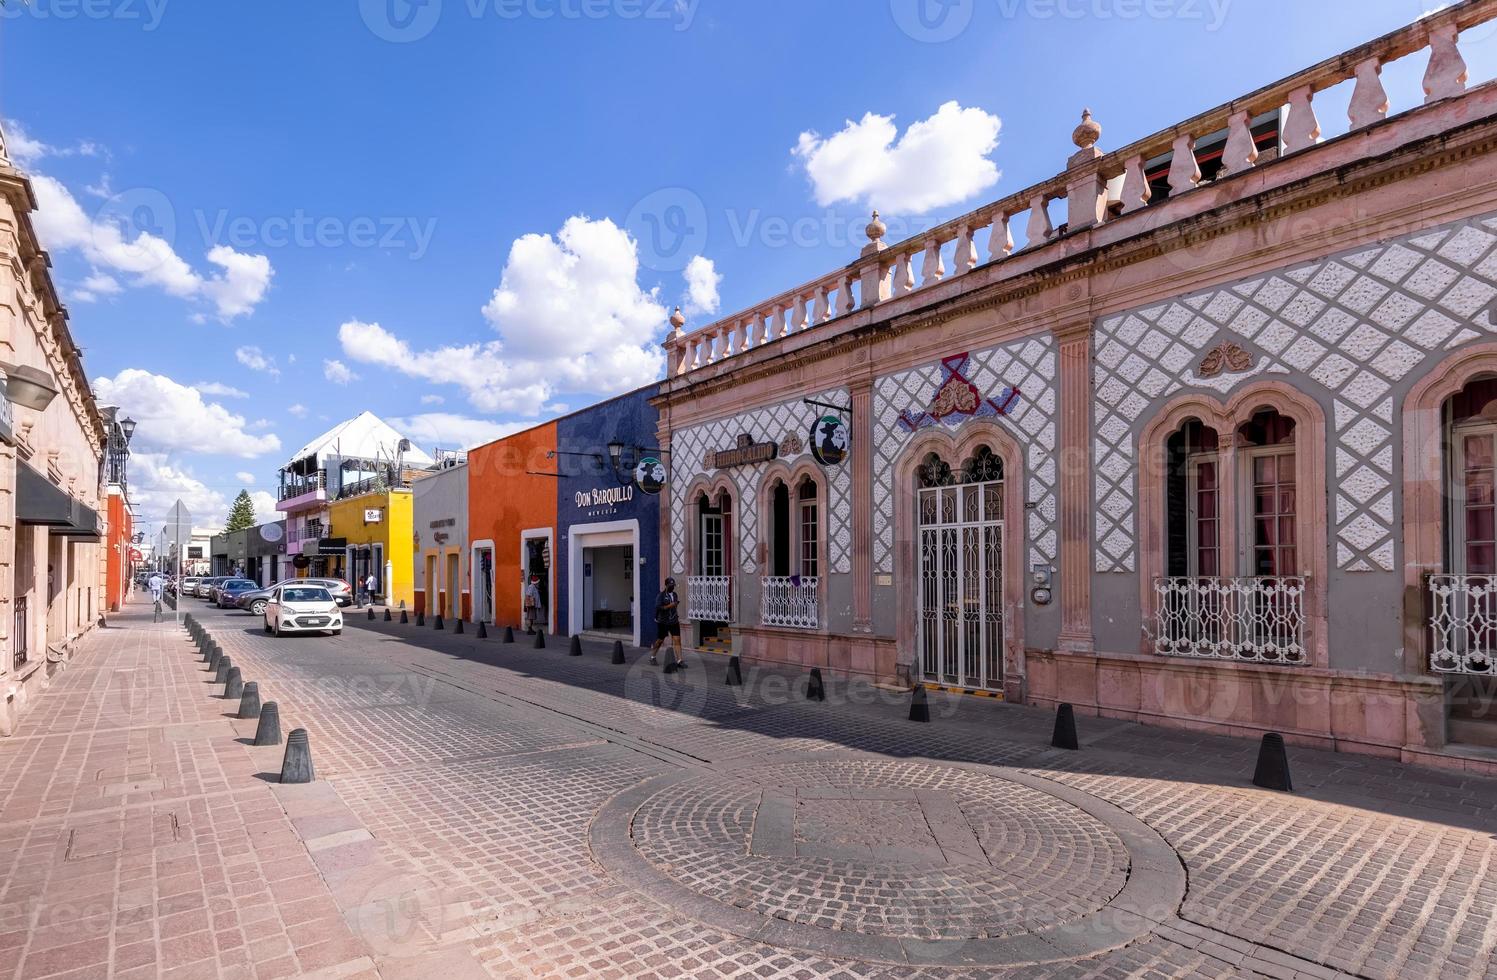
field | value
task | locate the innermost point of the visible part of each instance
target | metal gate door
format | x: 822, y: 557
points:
x: 961, y: 585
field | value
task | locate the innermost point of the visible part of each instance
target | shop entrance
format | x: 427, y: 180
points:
x: 483, y: 585
x: 608, y: 589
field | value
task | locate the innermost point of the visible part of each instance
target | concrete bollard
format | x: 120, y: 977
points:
x: 296, y: 766
x: 268, y: 732
x: 735, y: 672
x: 388, y: 617
x: 210, y: 652
x: 420, y: 617
x: 540, y: 639
x: 919, y: 704
x: 1273, y: 764
x: 371, y: 614
x: 221, y: 675
x: 618, y: 652
x: 249, y: 700
x: 509, y: 634
x: 576, y: 648
x: 404, y: 617
x: 815, y: 688
x: 1065, y: 729
x: 438, y: 623
x: 233, y: 685
x: 670, y: 665
x: 483, y: 630
x: 457, y: 627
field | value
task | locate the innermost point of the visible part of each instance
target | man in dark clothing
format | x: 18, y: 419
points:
x: 668, y: 623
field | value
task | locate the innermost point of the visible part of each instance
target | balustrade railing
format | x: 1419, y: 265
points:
x: 1257, y: 619
x: 1463, y: 624
x: 790, y: 601
x: 295, y: 487
x: 1097, y: 188
x: 709, y: 598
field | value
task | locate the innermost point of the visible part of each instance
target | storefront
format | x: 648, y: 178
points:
x: 512, y: 525
x: 440, y: 518
x: 375, y: 532
x: 609, y: 519
x: 266, y: 553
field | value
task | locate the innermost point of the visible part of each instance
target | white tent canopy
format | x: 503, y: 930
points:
x: 366, y: 436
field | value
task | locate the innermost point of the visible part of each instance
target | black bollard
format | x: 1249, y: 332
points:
x: 268, y: 732
x: 388, y: 617
x: 421, y: 617
x: 296, y: 767
x: 404, y: 618
x: 618, y: 652
x: 483, y: 630
x: 249, y: 700
x: 509, y: 634
x: 576, y: 648
x: 221, y: 675
x: 457, y: 626
x: 1065, y: 729
x: 233, y: 685
x: 438, y: 623
x: 735, y: 672
x: 815, y: 689
x: 371, y: 614
x: 1273, y: 764
x: 670, y: 665
x: 540, y: 639
x: 919, y: 704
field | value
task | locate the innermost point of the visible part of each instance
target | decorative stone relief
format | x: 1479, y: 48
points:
x: 1016, y: 382
x: 692, y: 450
x: 1354, y: 327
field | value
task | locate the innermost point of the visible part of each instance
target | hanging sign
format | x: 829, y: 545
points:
x: 829, y: 440
x: 649, y: 475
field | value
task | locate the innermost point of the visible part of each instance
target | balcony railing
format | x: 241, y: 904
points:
x: 1463, y: 624
x: 793, y: 602
x: 1259, y: 620
x: 709, y: 598
x: 297, y: 486
x: 1100, y: 190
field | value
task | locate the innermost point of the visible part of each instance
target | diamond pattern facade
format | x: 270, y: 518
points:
x: 770, y: 424
x: 1028, y: 364
x: 1349, y: 330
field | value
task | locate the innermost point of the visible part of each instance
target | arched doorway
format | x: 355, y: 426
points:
x: 960, y: 526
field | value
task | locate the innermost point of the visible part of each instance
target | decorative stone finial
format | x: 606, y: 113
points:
x: 1087, y: 134
x: 876, y: 229
x: 678, y: 320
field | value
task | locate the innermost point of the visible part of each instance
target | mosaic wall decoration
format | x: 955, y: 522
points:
x: 1352, y: 329
x: 785, y: 424
x: 1013, y: 384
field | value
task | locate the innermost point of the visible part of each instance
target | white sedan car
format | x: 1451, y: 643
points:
x: 294, y: 608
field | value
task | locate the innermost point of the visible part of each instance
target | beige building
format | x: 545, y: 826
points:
x: 52, y: 437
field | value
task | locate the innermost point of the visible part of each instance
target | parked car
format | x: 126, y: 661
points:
x: 254, y: 600
x: 206, y: 587
x: 186, y: 586
x: 341, y: 592
x: 296, y: 607
x: 230, y: 590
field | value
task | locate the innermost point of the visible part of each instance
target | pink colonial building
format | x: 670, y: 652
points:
x: 1200, y: 432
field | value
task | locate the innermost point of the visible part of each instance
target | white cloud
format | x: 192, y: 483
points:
x: 245, y: 477
x: 172, y: 416
x: 432, y: 400
x: 157, y: 482
x: 299, y: 410
x: 571, y: 318
x: 938, y: 161
x: 338, y: 373
x: 220, y: 390
x: 265, y: 506
x: 146, y: 259
x: 702, y: 281
x: 256, y: 360
x: 449, y: 431
x: 26, y: 151
x: 95, y: 286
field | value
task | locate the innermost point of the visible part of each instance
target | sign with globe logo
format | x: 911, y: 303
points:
x: 829, y: 440
x: 649, y: 475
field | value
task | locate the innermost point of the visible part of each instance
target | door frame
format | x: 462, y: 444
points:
x: 577, y: 536
x: 487, y: 544
x: 547, y: 534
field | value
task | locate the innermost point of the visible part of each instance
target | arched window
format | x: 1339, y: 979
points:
x: 795, y: 529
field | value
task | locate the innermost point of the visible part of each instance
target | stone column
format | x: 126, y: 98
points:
x: 1074, y: 340
x: 862, y: 505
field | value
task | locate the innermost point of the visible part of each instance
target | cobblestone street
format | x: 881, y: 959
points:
x: 484, y: 809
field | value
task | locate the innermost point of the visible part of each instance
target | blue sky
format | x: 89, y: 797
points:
x: 470, y: 215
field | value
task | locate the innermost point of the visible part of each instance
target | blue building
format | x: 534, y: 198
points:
x: 608, y: 522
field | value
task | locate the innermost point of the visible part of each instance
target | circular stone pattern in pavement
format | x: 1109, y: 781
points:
x: 893, y: 860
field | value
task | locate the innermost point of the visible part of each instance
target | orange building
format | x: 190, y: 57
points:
x: 118, y: 565
x: 512, y: 524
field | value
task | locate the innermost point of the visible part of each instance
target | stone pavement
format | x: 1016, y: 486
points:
x: 485, y: 809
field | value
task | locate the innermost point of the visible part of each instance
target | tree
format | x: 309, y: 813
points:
x: 242, y: 514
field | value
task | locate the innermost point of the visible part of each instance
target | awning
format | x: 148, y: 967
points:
x: 40, y: 502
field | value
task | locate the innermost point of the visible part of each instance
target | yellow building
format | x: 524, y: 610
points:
x: 375, y: 529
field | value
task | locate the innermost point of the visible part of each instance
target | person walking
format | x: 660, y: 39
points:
x: 369, y: 587
x: 668, y: 623
x: 532, y: 603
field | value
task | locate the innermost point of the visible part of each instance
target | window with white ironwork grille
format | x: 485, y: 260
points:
x: 1463, y: 599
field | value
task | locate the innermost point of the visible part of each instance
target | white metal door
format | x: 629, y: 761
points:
x: 961, y: 585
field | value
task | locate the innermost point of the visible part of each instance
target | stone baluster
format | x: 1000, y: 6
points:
x: 1445, y: 78
x: 1039, y: 230
x: 753, y: 331
x: 904, y: 274
x: 933, y: 269
x: 1000, y: 238
x: 1185, y: 173
x: 798, y: 323
x: 696, y: 351
x: 965, y: 258
x: 777, y: 323
x: 1241, y: 151
x: 1369, y: 103
x: 823, y: 309
x: 678, y: 353
x: 731, y: 344
x: 1302, y: 130
x: 1136, y: 190
x: 844, y: 293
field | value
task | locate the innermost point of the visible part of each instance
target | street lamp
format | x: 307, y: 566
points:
x: 28, y: 386
x: 127, y: 426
